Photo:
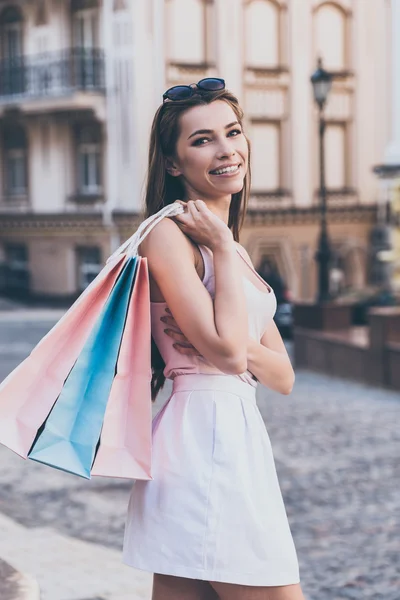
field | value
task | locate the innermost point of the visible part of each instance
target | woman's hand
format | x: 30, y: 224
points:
x: 202, y: 225
x: 182, y: 344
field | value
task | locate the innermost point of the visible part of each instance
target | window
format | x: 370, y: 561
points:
x: 11, y: 48
x: 11, y: 33
x: 265, y: 142
x: 15, y: 161
x: 85, y: 29
x: 335, y: 150
x: 330, y: 37
x: 190, y: 27
x: 89, y: 159
x: 17, y: 268
x: 89, y: 265
x: 85, y: 38
x: 262, y: 34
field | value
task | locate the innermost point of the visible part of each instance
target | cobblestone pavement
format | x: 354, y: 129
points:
x: 336, y: 447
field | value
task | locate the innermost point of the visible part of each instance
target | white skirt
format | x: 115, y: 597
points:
x: 214, y: 509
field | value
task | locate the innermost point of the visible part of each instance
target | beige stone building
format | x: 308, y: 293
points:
x: 80, y: 81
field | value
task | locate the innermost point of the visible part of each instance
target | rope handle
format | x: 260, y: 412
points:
x: 131, y: 245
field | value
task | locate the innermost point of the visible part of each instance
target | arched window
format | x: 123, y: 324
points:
x: 190, y: 28
x: 15, y: 160
x: 89, y: 159
x: 262, y: 26
x: 330, y: 37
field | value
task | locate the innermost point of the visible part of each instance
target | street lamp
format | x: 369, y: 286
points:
x: 322, y: 81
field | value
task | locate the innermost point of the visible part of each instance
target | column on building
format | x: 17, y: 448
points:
x: 122, y: 50
x: 229, y: 41
x: 392, y: 153
x: 385, y: 236
x: 301, y: 107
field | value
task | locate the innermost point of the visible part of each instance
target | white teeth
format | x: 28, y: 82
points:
x: 226, y: 170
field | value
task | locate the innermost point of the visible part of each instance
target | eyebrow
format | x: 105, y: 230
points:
x: 211, y: 130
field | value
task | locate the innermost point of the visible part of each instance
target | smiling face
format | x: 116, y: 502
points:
x: 211, y: 153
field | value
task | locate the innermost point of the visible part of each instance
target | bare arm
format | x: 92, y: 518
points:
x: 218, y: 330
x: 268, y: 360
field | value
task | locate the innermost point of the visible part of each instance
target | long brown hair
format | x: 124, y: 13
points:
x: 162, y: 188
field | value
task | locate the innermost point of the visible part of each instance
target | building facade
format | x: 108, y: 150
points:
x: 387, y: 229
x: 80, y: 81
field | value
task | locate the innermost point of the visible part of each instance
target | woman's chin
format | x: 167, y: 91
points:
x: 230, y: 187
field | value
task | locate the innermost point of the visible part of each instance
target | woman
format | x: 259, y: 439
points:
x: 211, y: 523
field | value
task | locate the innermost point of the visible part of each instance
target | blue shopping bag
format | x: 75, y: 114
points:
x: 69, y: 438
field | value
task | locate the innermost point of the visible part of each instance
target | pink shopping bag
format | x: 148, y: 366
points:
x: 29, y: 392
x: 125, y: 441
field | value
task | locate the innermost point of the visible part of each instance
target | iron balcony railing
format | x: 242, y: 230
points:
x: 51, y: 73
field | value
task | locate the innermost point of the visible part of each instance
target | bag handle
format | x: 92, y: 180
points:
x: 131, y: 245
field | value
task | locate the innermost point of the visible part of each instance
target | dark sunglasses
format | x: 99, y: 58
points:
x: 182, y: 92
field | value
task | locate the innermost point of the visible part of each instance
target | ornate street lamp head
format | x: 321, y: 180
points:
x: 322, y: 82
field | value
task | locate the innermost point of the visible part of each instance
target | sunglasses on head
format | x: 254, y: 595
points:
x: 182, y: 92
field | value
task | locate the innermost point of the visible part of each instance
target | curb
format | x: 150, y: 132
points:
x: 15, y: 585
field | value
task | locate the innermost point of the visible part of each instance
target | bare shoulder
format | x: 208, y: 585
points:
x: 165, y: 239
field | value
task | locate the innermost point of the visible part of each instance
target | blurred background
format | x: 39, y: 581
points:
x: 319, y: 82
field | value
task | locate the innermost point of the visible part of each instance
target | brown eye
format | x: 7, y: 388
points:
x: 199, y: 142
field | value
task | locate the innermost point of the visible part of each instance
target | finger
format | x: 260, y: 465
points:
x: 186, y: 218
x: 180, y: 202
x: 176, y: 335
x: 181, y: 219
x: 185, y: 345
x: 192, y: 204
x: 200, y: 205
x: 188, y: 351
x: 169, y: 321
x: 194, y: 212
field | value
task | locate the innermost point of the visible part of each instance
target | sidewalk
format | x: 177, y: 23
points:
x: 15, y: 585
x: 32, y: 315
x: 68, y: 569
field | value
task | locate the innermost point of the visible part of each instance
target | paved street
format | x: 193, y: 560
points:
x: 336, y: 446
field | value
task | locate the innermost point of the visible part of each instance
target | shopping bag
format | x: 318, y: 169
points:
x: 29, y: 392
x: 70, y: 435
x: 125, y: 442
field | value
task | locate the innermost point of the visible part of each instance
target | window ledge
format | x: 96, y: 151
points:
x: 203, y: 66
x: 277, y: 193
x: 14, y: 203
x: 85, y: 198
x: 344, y: 191
x: 13, y: 198
x: 276, y: 70
x: 343, y: 74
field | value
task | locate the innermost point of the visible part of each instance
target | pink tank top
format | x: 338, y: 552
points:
x: 261, y: 307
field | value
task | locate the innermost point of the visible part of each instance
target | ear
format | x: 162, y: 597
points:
x: 172, y: 168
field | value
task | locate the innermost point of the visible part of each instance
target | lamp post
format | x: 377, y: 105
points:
x: 322, y: 81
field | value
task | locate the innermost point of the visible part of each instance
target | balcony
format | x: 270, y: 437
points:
x: 340, y: 197
x: 278, y: 199
x: 58, y: 81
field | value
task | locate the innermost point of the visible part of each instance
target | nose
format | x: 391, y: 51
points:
x: 226, y: 148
